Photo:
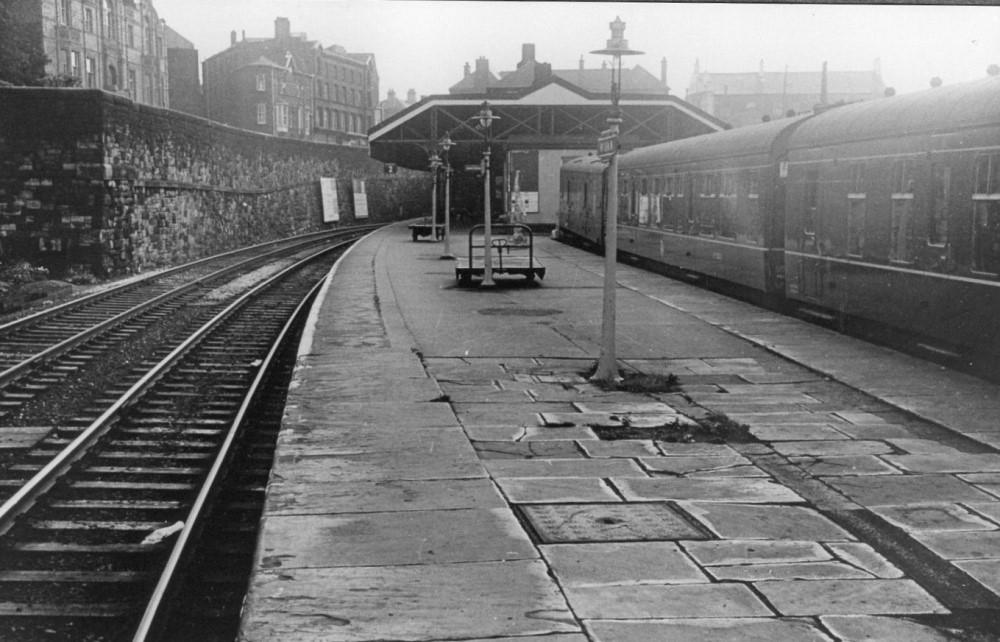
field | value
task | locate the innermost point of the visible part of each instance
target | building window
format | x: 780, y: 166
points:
x: 131, y: 83
x: 130, y: 35
x: 281, y: 117
x: 89, y: 66
x: 110, y: 20
x: 74, y: 63
x: 66, y: 12
x: 112, y: 79
x: 261, y: 82
x: 986, y: 215
x: 159, y: 47
x: 88, y: 19
x: 261, y: 113
x: 902, y: 212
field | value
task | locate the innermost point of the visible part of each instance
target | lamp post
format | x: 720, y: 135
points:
x: 435, y: 165
x: 608, y: 144
x: 486, y: 119
x: 446, y: 144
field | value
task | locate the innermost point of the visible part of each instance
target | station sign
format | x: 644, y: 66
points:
x: 607, y: 144
x: 474, y: 169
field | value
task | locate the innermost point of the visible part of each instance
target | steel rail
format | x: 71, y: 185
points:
x: 45, y: 478
x: 12, y: 373
x: 155, y: 610
x: 94, y: 296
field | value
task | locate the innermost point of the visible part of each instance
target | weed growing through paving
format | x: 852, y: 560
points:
x: 714, y: 428
x: 636, y: 381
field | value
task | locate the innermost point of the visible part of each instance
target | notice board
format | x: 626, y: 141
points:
x: 360, y: 199
x: 328, y: 194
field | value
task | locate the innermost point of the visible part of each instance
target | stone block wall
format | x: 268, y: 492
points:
x: 93, y: 182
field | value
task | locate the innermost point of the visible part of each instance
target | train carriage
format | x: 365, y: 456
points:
x: 881, y: 216
x: 893, y: 217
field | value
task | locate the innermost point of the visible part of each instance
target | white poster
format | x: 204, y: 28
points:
x: 328, y: 193
x: 360, y: 199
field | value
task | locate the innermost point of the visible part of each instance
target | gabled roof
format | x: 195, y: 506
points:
x: 634, y: 81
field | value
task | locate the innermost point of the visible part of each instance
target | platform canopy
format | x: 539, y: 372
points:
x: 555, y: 114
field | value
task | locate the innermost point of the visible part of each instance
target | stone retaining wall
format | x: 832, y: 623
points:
x: 92, y: 182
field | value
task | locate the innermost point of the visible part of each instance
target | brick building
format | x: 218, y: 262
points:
x: 294, y: 87
x: 114, y: 45
x: 746, y: 98
x: 183, y: 85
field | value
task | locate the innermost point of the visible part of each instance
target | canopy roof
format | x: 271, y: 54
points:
x: 553, y: 115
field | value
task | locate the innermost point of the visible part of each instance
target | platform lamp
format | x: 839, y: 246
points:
x: 608, y: 144
x: 486, y: 119
x: 435, y: 165
x: 446, y: 144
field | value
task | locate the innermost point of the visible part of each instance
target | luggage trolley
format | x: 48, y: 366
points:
x: 513, y: 252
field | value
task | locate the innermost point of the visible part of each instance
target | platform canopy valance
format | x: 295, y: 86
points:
x: 557, y: 115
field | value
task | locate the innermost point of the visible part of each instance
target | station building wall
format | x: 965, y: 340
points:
x: 92, y: 182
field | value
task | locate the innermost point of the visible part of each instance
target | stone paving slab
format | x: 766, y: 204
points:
x: 445, y: 601
x: 376, y: 466
x: 729, y: 552
x: 387, y: 539
x: 868, y: 628
x: 934, y: 517
x: 768, y: 522
x: 621, y: 563
x: 848, y: 597
x: 798, y: 571
x: 744, y: 489
x: 705, y: 630
x: 907, y: 489
x: 500, y: 468
x: 300, y: 497
x: 665, y: 601
x: 966, y: 545
x: 866, y: 558
x: 844, y: 466
x: 986, y: 572
x: 530, y: 490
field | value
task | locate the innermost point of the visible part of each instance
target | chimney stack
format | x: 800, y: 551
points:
x: 232, y: 37
x: 527, y: 54
x: 282, y: 29
x: 581, y: 63
x: 663, y: 71
x: 467, y: 71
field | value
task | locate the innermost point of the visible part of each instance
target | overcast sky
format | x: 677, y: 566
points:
x: 424, y: 45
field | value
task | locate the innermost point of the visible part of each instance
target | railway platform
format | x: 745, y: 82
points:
x: 446, y: 472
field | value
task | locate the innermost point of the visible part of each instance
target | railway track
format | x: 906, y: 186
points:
x: 54, y: 352
x: 100, y: 514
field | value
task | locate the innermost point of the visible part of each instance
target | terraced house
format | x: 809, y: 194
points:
x: 114, y: 45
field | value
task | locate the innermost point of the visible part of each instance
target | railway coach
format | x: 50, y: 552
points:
x: 881, y: 216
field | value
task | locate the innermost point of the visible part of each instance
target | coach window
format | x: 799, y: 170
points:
x: 726, y: 222
x: 857, y: 199
x: 655, y: 214
x: 810, y: 206
x: 902, y: 211
x: 753, y: 226
x: 643, y: 218
x: 937, y: 223
x: 986, y: 215
x: 668, y: 212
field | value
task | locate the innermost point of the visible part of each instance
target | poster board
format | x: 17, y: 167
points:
x: 360, y: 199
x: 328, y: 196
